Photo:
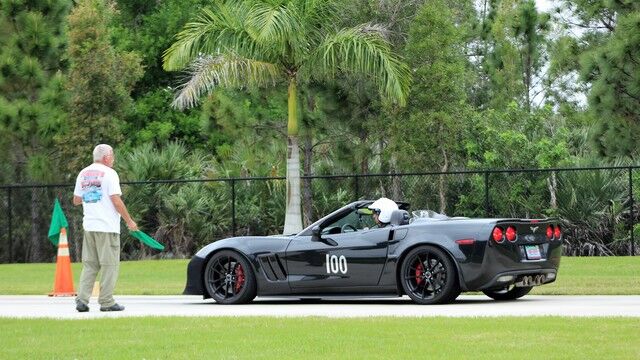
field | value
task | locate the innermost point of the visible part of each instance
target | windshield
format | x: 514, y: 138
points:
x: 427, y: 215
x: 355, y: 220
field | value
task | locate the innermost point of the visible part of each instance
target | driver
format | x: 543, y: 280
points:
x: 382, y: 209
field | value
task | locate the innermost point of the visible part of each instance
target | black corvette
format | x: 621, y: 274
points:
x: 430, y: 257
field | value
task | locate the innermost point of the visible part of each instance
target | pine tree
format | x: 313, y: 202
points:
x: 514, y: 35
x: 605, y: 51
x: 31, y: 48
x: 438, y: 102
x: 32, y: 44
x: 99, y: 84
x: 613, y: 69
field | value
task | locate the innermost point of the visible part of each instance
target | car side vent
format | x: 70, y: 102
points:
x: 272, y: 267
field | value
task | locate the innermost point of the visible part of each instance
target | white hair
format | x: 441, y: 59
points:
x: 101, y: 151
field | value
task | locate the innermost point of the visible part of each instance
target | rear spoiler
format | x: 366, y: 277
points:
x: 529, y: 221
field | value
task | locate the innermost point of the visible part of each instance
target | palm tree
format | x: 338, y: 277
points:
x: 261, y: 43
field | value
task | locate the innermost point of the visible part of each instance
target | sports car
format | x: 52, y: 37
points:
x: 430, y: 257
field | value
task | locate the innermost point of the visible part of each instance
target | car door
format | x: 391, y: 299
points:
x: 355, y: 259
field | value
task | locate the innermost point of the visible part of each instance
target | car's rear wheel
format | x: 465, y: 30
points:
x: 508, y: 293
x: 229, y: 278
x: 428, y: 276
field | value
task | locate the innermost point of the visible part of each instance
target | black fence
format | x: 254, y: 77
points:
x: 596, y: 205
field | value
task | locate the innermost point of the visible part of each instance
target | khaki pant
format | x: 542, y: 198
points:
x: 100, y: 251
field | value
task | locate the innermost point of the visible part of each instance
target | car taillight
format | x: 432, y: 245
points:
x: 550, y: 232
x: 557, y: 232
x: 496, y: 234
x: 511, y: 233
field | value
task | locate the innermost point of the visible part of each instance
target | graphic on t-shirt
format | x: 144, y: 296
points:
x: 91, y: 184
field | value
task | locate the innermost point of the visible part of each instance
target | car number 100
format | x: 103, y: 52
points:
x: 336, y: 264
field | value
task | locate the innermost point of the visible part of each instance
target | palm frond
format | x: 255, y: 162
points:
x: 229, y: 70
x: 317, y: 13
x: 217, y: 29
x: 189, y: 42
x: 278, y: 26
x: 364, y: 50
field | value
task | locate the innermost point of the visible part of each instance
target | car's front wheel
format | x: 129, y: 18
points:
x: 229, y: 278
x: 428, y: 276
x: 508, y: 293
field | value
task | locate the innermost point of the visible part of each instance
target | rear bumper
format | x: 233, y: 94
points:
x: 521, y: 277
x: 500, y: 262
x: 194, y: 277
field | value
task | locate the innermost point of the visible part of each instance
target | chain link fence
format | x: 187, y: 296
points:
x: 596, y: 206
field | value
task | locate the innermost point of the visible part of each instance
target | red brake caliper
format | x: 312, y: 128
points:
x: 239, y: 277
x: 419, y: 271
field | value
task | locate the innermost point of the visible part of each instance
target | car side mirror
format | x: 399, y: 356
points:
x: 316, y: 236
x: 315, y: 233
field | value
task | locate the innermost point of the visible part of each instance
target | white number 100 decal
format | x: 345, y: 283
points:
x: 335, y: 264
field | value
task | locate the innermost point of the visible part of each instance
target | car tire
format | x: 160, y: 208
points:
x: 429, y: 276
x: 508, y: 293
x: 229, y: 278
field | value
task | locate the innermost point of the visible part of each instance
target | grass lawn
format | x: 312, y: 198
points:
x: 321, y: 338
x: 595, y: 276
x: 147, y: 277
x: 578, y: 275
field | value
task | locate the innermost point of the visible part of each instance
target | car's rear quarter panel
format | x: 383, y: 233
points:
x: 477, y: 264
x: 441, y: 234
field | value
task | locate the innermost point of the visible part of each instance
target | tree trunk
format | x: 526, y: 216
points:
x: 552, y: 183
x: 364, y: 162
x: 527, y: 81
x: 36, y: 238
x: 307, y: 194
x: 76, y: 237
x: 384, y: 169
x: 396, y: 186
x: 442, y: 186
x: 293, y: 216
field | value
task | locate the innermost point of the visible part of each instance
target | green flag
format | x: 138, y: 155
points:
x: 147, y: 240
x: 58, y: 221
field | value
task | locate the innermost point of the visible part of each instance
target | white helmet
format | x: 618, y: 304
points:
x: 384, y: 207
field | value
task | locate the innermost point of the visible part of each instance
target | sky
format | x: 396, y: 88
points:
x: 544, y: 5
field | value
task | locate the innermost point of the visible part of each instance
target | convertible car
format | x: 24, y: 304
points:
x: 430, y: 257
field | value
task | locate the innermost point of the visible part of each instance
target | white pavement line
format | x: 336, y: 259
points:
x: 464, y: 306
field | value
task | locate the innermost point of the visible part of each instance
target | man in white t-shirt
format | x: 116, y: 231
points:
x: 98, y: 191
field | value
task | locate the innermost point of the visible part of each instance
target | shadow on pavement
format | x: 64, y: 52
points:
x: 333, y: 301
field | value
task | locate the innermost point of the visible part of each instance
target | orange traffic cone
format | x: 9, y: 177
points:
x: 63, y: 285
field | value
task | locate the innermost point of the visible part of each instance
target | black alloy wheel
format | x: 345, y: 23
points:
x: 509, y: 293
x: 229, y: 279
x: 429, y: 276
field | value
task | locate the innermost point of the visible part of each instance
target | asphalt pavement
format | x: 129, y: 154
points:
x: 465, y: 306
